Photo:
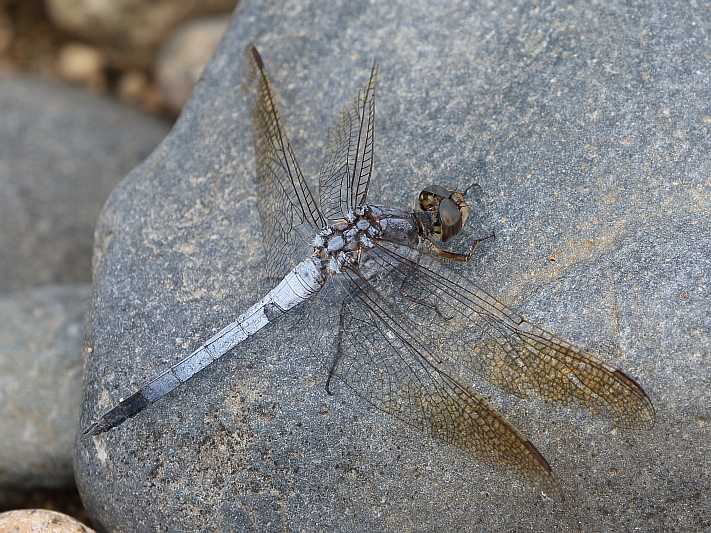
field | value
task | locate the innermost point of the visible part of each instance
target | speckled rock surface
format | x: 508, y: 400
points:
x: 41, y: 333
x: 62, y: 150
x: 587, y: 127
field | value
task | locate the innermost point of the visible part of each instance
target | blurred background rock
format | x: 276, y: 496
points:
x: 147, y: 53
x: 87, y: 89
x: 38, y: 520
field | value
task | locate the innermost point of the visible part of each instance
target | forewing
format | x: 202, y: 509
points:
x: 285, y: 202
x: 385, y: 359
x: 470, y: 328
x: 344, y: 180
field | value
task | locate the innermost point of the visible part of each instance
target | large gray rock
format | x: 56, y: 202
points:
x: 62, y: 150
x: 41, y: 333
x: 587, y: 128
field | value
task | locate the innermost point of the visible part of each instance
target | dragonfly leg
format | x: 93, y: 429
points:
x: 476, y: 242
x: 332, y: 371
x: 473, y: 186
x: 455, y: 256
x: 337, y: 356
x: 405, y: 291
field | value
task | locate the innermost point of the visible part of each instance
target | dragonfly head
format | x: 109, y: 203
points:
x: 448, y: 209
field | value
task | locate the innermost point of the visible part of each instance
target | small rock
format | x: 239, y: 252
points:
x: 62, y: 150
x: 182, y: 58
x: 135, y: 88
x: 79, y: 63
x: 40, y: 521
x: 6, y: 32
x: 131, y: 29
x: 41, y: 333
x: 132, y: 86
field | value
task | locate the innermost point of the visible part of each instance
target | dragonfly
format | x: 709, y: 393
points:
x: 409, y: 326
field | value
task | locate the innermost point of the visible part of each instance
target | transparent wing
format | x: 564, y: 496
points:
x: 285, y: 202
x: 345, y: 178
x: 410, y: 336
x: 384, y: 358
x: 470, y: 328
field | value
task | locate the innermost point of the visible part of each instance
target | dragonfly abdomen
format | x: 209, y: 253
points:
x: 298, y: 285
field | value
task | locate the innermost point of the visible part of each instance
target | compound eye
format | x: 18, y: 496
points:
x: 438, y: 190
x: 450, y: 218
x: 431, y: 196
x: 449, y: 212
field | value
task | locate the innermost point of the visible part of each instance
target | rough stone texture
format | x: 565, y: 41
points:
x: 40, y: 520
x: 587, y: 126
x: 130, y: 30
x: 41, y: 332
x: 61, y: 152
x: 183, y: 57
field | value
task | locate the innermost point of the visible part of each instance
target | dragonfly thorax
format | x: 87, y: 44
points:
x: 343, y: 241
